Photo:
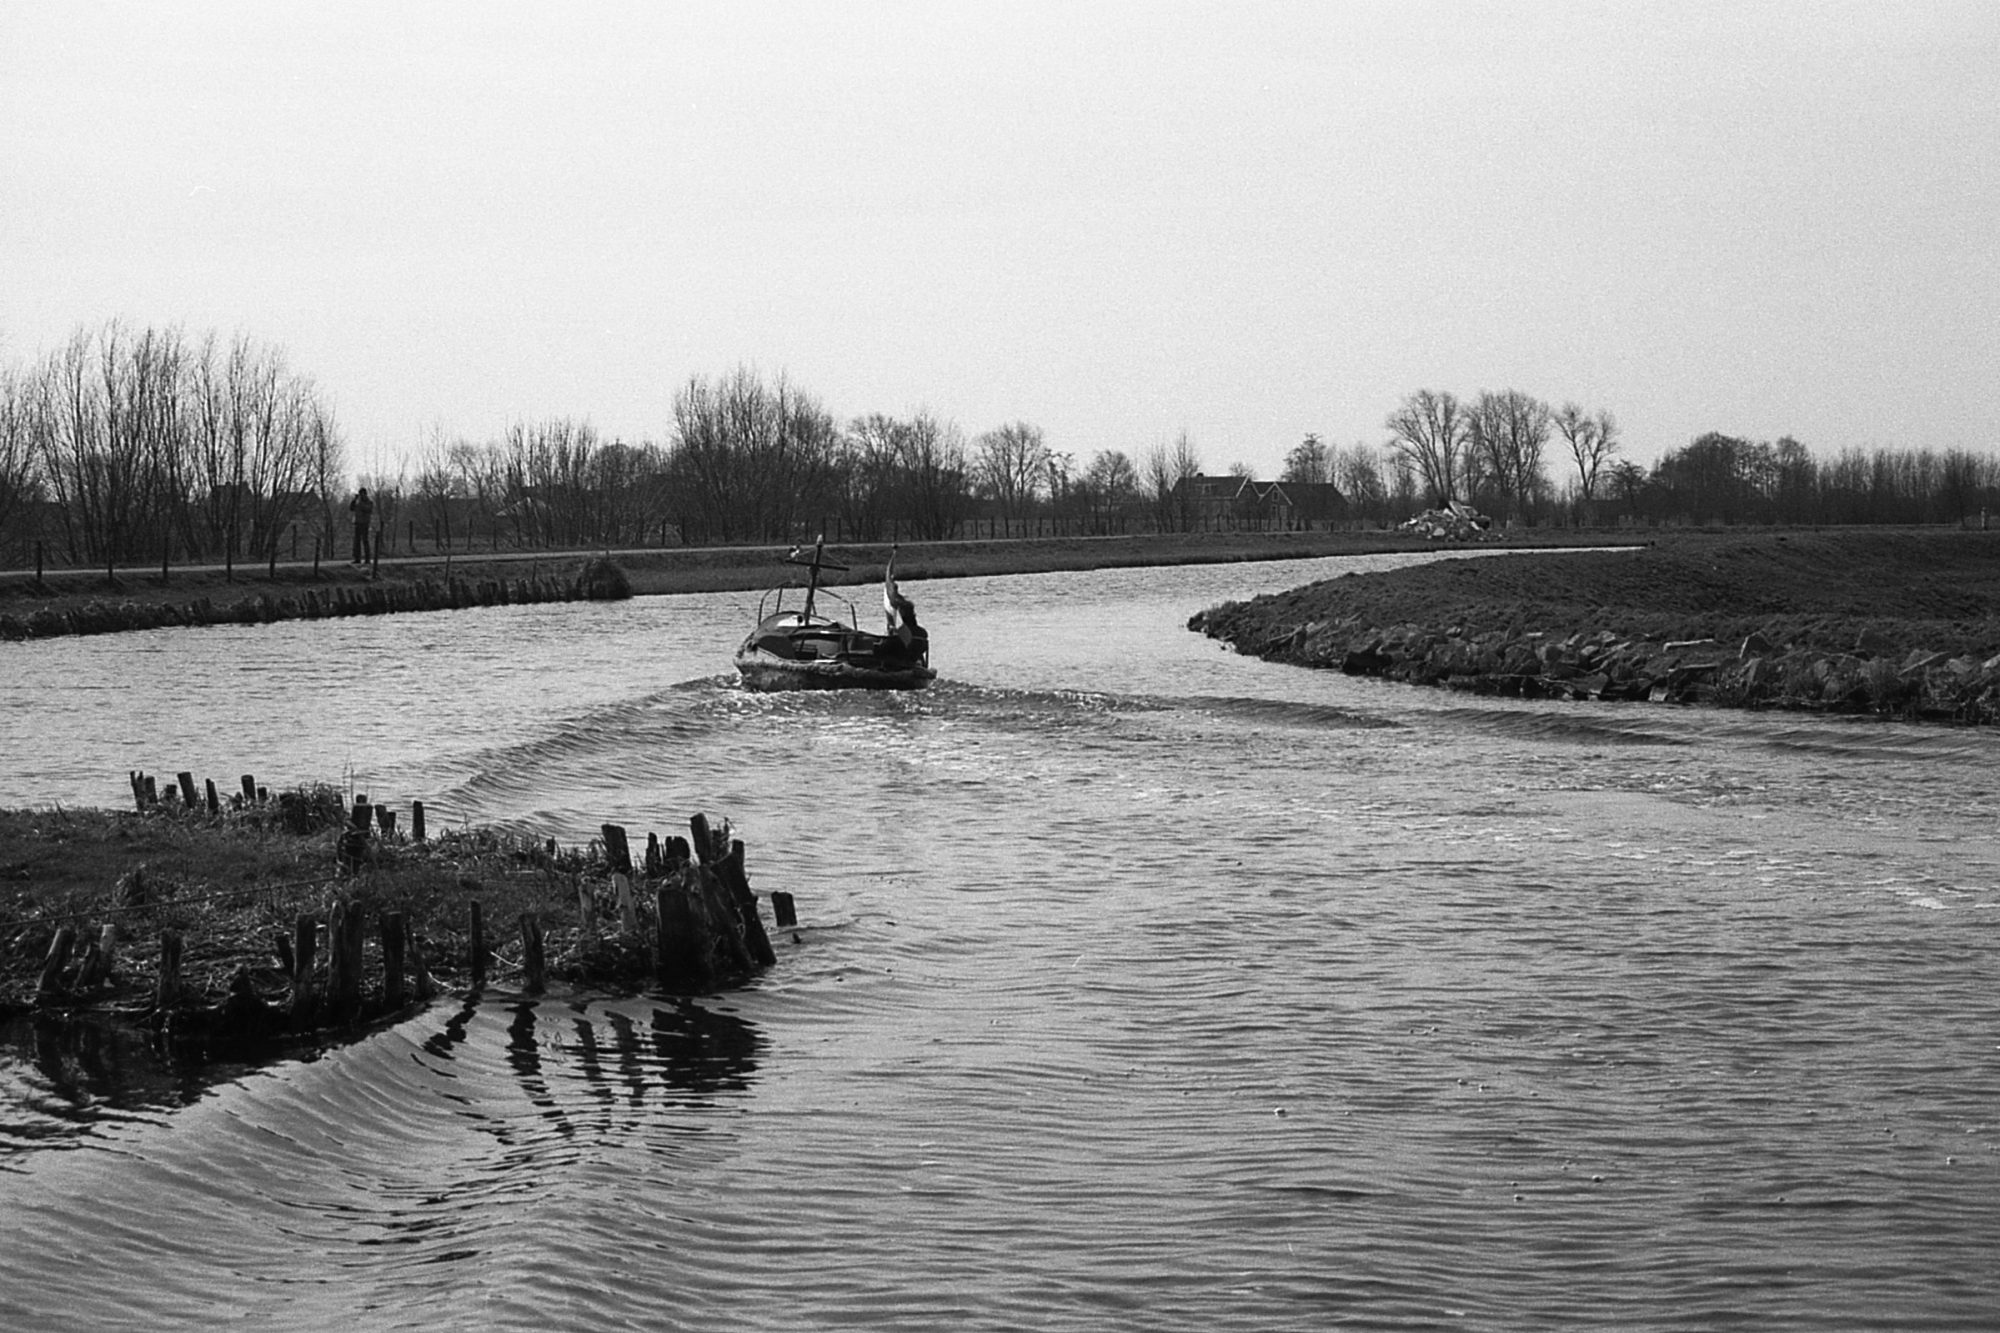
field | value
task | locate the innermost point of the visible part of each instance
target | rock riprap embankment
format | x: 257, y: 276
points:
x: 1897, y: 624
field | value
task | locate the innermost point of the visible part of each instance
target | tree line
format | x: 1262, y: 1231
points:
x: 123, y: 446
x: 752, y: 459
x: 146, y: 444
x: 1523, y: 460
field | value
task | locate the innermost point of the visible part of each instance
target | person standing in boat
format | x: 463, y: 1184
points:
x: 916, y: 640
x: 902, y: 614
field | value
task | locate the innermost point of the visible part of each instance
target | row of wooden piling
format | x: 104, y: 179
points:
x: 686, y: 920
x: 184, y: 794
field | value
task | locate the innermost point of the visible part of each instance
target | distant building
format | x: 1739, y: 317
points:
x: 1233, y: 503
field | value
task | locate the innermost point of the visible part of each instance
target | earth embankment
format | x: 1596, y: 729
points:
x: 76, y: 601
x: 1902, y: 623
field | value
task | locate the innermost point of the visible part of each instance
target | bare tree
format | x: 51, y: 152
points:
x: 1357, y: 471
x: 1308, y: 461
x: 750, y: 460
x: 17, y: 464
x: 1009, y: 463
x: 1110, y: 485
x: 935, y: 477
x: 1170, y: 472
x: 868, y: 463
x: 1508, y: 432
x: 1064, y: 496
x: 1429, y: 429
x: 1592, y: 440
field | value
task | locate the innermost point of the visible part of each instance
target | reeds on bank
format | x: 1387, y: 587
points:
x: 274, y: 916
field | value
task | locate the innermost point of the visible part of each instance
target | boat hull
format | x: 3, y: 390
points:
x: 764, y: 673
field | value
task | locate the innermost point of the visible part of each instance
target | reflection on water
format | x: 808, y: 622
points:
x: 61, y: 1077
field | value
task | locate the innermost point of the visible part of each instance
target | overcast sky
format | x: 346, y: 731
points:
x: 1115, y: 221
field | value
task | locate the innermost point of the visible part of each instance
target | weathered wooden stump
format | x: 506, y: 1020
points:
x: 391, y: 926
x: 305, y: 940
x: 477, y: 931
x: 682, y: 959
x: 755, y: 940
x: 57, y: 960
x: 168, y: 993
x: 617, y: 850
x: 534, y: 962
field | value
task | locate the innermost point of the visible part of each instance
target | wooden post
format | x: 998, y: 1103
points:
x: 681, y: 958
x: 420, y: 966
x: 107, y: 950
x: 351, y: 849
x: 152, y: 790
x: 416, y: 821
x: 86, y: 971
x: 138, y: 790
x: 725, y: 920
x: 214, y: 801
x: 586, y: 912
x: 187, y: 789
x: 704, y: 848
x: 385, y: 819
x: 478, y: 931
x: 344, y: 937
x: 738, y: 883
x: 305, y: 940
x: 617, y: 851
x: 392, y: 959
x: 249, y: 789
x: 656, y: 864
x: 783, y: 911
x: 533, y: 962
x: 57, y: 960
x: 168, y: 993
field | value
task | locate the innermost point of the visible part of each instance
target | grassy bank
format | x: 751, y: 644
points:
x: 217, y: 926
x: 87, y: 602
x: 1899, y: 623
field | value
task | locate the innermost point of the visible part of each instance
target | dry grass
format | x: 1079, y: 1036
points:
x: 233, y: 884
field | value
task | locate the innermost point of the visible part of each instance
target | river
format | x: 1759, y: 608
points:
x: 1137, y: 985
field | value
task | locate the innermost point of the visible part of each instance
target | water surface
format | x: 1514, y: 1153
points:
x: 1139, y: 985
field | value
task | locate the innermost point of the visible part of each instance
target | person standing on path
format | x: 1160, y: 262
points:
x: 363, y: 510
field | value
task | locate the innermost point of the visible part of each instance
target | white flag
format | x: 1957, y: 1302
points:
x: 889, y: 591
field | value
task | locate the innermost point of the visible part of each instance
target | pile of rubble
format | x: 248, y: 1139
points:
x: 1456, y: 522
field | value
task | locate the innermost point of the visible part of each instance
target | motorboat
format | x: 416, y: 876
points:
x: 801, y: 647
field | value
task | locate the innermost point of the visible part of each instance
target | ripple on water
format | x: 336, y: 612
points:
x: 1137, y: 985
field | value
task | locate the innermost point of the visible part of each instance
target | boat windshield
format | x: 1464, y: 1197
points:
x: 773, y: 603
